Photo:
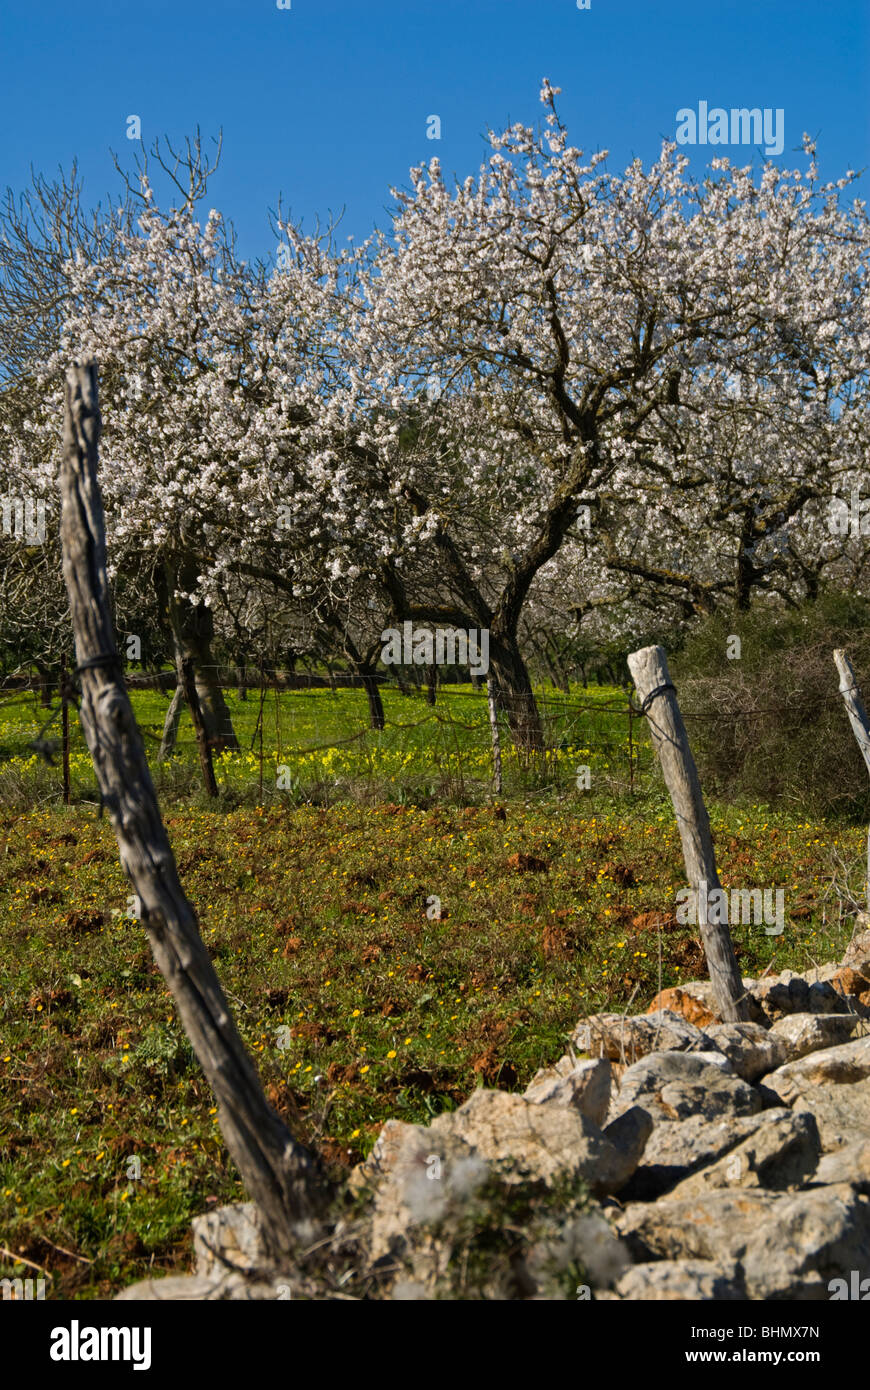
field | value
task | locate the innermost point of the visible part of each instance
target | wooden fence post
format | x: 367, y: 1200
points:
x: 649, y: 668
x: 64, y: 729
x: 860, y: 727
x: 283, y: 1178
x: 630, y: 747
x: 260, y: 727
x: 496, y: 738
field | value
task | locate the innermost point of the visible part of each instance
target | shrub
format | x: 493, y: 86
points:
x: 770, y: 726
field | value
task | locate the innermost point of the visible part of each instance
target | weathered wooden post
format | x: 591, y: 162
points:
x: 860, y: 727
x: 283, y: 1178
x: 260, y: 727
x: 649, y: 668
x: 630, y: 747
x: 64, y: 729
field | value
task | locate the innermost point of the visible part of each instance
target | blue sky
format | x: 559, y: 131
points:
x: 327, y: 102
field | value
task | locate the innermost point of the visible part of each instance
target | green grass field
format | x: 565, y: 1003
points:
x: 359, y: 1001
x: 323, y: 739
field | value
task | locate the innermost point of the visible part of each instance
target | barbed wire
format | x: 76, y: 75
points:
x: 561, y: 703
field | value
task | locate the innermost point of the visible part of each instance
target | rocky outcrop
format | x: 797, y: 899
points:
x: 786, y: 1245
x: 585, y: 1086
x: 843, y: 1065
x: 842, y: 1112
x: 750, y: 1048
x: 781, y: 1153
x: 675, y: 1085
x: 625, y: 1039
x: 679, y: 1280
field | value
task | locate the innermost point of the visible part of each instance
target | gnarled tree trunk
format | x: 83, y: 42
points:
x: 513, y: 691
x: 170, y: 725
x: 192, y: 627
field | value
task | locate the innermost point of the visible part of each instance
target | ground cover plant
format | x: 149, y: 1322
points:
x: 381, y: 961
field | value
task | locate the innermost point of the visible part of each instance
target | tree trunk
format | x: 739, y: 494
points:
x: 362, y: 667
x: 192, y: 627
x: 377, y: 719
x: 283, y: 1178
x: 556, y: 665
x: 170, y: 725
x: 45, y: 684
x: 202, y: 744
x: 431, y: 684
x: 514, y: 693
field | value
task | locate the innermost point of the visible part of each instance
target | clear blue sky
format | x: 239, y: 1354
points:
x: 327, y: 102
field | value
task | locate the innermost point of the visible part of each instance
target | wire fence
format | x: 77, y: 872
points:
x: 314, y: 737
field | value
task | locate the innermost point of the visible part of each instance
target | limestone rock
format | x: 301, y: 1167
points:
x: 702, y: 990
x: 842, y: 1113
x: 674, y: 1085
x: 443, y: 1181
x: 681, y: 1147
x: 543, y: 1141
x: 850, y: 1164
x: 751, y: 1049
x: 782, y: 1152
x: 679, y: 1099
x: 858, y: 951
x: 426, y: 1177
x: 424, y: 1173
x: 583, y: 1085
x: 383, y: 1154
x: 629, y: 1133
x: 788, y: 1245
x: 625, y: 1039
x: 854, y: 985
x: 687, y: 1005
x: 802, y: 1034
x: 203, y: 1289
x: 672, y: 1280
x: 842, y: 1065
x: 821, y: 972
x: 228, y: 1239
x: 789, y: 993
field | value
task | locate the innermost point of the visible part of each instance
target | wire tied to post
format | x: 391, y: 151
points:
x: 658, y: 690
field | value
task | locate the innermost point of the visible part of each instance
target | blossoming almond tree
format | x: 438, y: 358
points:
x: 408, y: 431
x: 563, y: 315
